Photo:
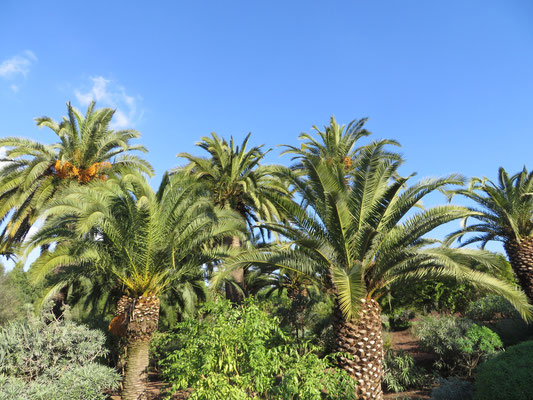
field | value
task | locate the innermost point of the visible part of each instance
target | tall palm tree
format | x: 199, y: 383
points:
x: 234, y: 178
x: 33, y: 173
x: 505, y: 215
x: 148, y: 241
x: 360, y: 238
x: 337, y: 145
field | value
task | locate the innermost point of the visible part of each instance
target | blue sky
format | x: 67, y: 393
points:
x: 452, y: 81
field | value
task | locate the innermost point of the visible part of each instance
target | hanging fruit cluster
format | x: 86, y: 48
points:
x: 347, y: 163
x: 66, y: 170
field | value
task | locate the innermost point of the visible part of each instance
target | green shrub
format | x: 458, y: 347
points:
x: 459, y: 344
x: 507, y: 376
x: 491, y: 307
x: 401, y: 319
x: 401, y: 373
x: 452, y: 389
x: 46, y: 358
x: 241, y: 353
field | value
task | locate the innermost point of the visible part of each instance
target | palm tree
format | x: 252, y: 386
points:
x: 34, y: 173
x: 147, y: 241
x: 505, y: 215
x: 336, y: 145
x: 234, y: 178
x: 362, y: 236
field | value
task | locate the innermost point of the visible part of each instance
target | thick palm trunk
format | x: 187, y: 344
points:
x: 136, y: 370
x: 521, y: 258
x: 362, y: 339
x: 137, y: 319
x: 232, y: 293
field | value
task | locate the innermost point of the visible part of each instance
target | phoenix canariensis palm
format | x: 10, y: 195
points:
x: 34, y: 172
x: 505, y: 214
x: 235, y: 179
x: 146, y: 240
x: 336, y: 144
x: 360, y: 238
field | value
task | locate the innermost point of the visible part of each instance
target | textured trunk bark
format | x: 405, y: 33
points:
x: 520, y: 256
x: 136, y: 370
x: 298, y: 297
x: 362, y: 339
x: 136, y: 318
x: 232, y: 293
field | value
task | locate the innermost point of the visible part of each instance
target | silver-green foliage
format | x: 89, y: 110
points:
x: 459, y: 344
x: 452, y: 389
x: 241, y: 353
x: 47, y: 358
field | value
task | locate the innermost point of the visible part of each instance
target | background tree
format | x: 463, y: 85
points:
x: 34, y: 172
x: 234, y: 178
x: 505, y: 214
x: 146, y: 240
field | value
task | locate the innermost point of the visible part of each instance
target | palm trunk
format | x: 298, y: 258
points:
x: 298, y: 297
x: 362, y: 339
x: 520, y: 256
x: 136, y: 370
x: 233, y: 294
x: 137, y: 319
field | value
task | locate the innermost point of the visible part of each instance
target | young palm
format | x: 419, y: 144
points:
x: 233, y: 177
x: 363, y: 237
x: 147, y: 241
x: 506, y: 215
x: 34, y: 172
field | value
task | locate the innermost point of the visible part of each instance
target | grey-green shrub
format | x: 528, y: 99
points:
x: 507, y: 376
x: 491, y: 307
x: 452, y: 389
x: 47, y: 358
x: 459, y: 344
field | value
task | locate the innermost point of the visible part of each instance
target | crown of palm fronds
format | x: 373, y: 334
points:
x: 506, y: 208
x: 235, y: 179
x: 34, y: 173
x: 144, y: 242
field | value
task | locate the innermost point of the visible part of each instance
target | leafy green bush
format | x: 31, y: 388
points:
x: 15, y: 292
x: 501, y: 317
x: 459, y: 344
x: 401, y: 319
x: 401, y: 373
x: 46, y: 358
x: 241, y: 353
x: 491, y: 307
x: 452, y: 389
x: 507, y: 376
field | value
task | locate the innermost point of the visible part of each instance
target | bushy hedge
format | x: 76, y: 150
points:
x: 507, y: 376
x: 459, y: 344
x: 47, y: 358
x: 241, y: 353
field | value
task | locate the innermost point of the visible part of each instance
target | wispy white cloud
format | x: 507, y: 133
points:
x: 19, y: 64
x: 107, y: 93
